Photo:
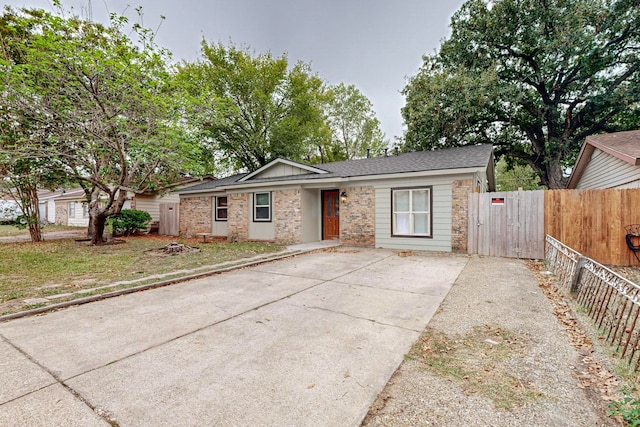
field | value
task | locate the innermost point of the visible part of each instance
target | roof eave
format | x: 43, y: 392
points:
x: 319, y: 182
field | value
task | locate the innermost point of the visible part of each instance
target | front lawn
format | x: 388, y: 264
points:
x: 7, y: 230
x: 32, y: 270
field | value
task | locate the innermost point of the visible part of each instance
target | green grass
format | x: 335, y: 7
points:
x: 32, y: 270
x: 12, y: 230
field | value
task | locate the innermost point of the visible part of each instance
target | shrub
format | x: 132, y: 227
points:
x: 628, y: 409
x: 130, y: 221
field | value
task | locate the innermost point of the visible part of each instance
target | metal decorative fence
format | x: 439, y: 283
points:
x: 612, y: 301
x: 561, y: 260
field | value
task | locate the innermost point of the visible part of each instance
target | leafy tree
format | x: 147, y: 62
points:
x: 253, y: 109
x: 107, y: 101
x: 515, y: 177
x: 534, y: 78
x: 354, y: 126
x: 22, y: 176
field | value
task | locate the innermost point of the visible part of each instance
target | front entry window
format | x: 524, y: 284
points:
x: 221, y: 208
x: 262, y: 207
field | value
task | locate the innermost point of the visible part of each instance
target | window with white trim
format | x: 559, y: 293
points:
x: 72, y: 209
x: 411, y: 212
x: 262, y: 207
x: 221, y: 208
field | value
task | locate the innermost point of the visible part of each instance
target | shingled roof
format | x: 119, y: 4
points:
x: 473, y: 156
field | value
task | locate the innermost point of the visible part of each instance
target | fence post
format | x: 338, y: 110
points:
x: 575, y: 279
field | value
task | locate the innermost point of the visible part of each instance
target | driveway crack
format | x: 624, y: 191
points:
x: 98, y: 411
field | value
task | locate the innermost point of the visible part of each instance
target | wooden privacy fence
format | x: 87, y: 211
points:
x: 612, y: 301
x: 513, y: 224
x: 169, y: 219
x: 508, y: 224
x: 593, y: 221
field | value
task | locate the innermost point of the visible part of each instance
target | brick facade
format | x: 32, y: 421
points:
x: 195, y: 215
x: 460, y: 214
x: 238, y: 217
x: 287, y: 214
x: 357, y: 217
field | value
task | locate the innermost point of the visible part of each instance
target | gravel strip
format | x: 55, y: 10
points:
x: 529, y: 354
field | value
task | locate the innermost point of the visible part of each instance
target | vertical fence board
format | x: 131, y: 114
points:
x: 169, y: 219
x: 593, y: 221
x: 514, y: 229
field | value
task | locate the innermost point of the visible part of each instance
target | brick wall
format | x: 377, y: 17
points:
x: 460, y: 214
x: 357, y: 217
x: 287, y: 216
x: 238, y: 217
x: 195, y: 215
x: 62, y: 214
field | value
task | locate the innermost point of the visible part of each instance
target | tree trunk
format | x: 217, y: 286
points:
x: 97, y: 229
x: 36, y: 232
x: 90, y: 228
x: 30, y: 206
x: 556, y: 179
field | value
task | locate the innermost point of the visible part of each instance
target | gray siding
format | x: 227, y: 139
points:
x: 607, y: 171
x: 441, y: 214
x: 281, y: 170
x: 311, y: 215
x: 261, y: 230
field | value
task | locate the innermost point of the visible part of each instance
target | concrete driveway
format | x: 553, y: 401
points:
x: 307, y: 341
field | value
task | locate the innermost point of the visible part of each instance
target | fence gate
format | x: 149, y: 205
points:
x: 508, y: 224
x: 169, y: 219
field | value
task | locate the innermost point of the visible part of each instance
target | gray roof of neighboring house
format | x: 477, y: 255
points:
x: 472, y: 156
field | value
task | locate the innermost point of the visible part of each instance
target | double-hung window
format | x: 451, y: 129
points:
x: 262, y: 207
x: 72, y: 209
x: 411, y: 212
x: 221, y: 208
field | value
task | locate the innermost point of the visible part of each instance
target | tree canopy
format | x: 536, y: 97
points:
x: 532, y: 78
x: 100, y: 107
x: 354, y: 126
x: 254, y: 108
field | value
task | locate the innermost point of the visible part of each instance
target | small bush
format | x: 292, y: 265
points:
x: 628, y: 409
x: 130, y: 221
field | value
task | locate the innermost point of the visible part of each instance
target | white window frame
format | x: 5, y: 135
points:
x: 72, y: 209
x: 218, y: 208
x: 256, y: 206
x: 412, y: 213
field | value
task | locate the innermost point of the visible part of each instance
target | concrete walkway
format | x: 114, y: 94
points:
x: 310, y: 340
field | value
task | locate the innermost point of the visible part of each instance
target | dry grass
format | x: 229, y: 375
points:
x: 31, y: 270
x: 479, y: 363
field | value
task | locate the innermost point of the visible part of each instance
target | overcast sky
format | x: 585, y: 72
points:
x: 373, y: 44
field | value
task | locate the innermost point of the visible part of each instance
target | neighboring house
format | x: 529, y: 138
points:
x: 47, y: 205
x: 610, y: 160
x: 9, y: 208
x: 405, y: 201
x: 71, y: 208
x: 153, y: 201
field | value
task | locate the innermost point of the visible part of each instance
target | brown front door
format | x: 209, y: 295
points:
x: 330, y: 215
